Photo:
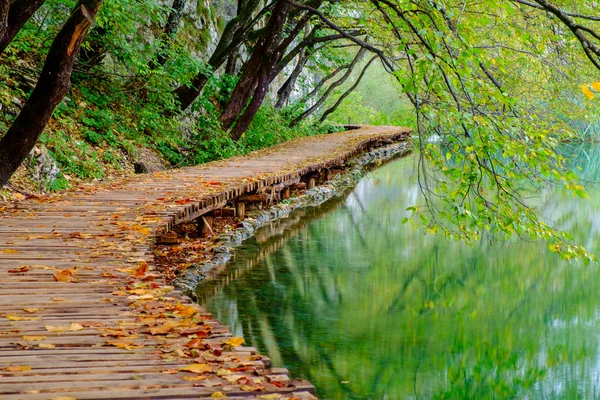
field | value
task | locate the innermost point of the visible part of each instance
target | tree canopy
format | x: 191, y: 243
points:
x: 495, y: 88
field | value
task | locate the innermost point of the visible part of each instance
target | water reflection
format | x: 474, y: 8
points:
x: 368, y: 308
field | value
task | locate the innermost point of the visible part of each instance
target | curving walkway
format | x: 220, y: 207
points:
x: 84, y: 316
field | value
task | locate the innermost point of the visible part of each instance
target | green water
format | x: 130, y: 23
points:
x: 367, y: 308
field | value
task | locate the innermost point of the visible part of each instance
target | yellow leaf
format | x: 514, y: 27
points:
x: 197, y: 368
x: 195, y: 378
x: 71, y: 327
x: 16, y: 368
x: 31, y: 310
x: 587, y: 92
x: 217, y: 394
x: 233, y: 378
x: 17, y: 318
x: 236, y: 341
x: 596, y: 85
x: 34, y: 338
x: 9, y: 251
x: 270, y: 396
x: 46, y: 346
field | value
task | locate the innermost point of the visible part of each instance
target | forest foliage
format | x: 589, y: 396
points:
x: 493, y: 89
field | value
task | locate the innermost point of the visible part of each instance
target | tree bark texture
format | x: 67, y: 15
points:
x: 283, y: 95
x: 255, y: 75
x: 231, y: 38
x: 52, y: 86
x: 19, y: 12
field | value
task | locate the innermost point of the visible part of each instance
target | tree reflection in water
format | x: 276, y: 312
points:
x: 366, y: 307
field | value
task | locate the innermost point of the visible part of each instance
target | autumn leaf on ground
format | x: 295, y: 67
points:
x: 141, y: 269
x: 8, y: 251
x: 126, y: 345
x: 162, y: 329
x: 235, y: 342
x: 185, y: 311
x: 34, y: 338
x: 73, y: 326
x: 17, y: 368
x: 31, y: 310
x: 21, y: 269
x: 195, y: 378
x: 18, y: 318
x: 46, y: 346
x: 197, y: 368
x: 217, y: 394
x: 65, y: 275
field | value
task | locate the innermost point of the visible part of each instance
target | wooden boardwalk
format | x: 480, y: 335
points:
x: 83, y: 314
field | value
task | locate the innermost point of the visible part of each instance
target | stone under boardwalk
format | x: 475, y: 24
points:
x: 83, y: 314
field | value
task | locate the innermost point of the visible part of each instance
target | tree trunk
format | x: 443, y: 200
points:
x: 51, y: 88
x: 283, y: 95
x: 169, y: 31
x: 4, y: 10
x: 331, y: 88
x: 232, y: 36
x: 347, y: 92
x: 259, y: 67
x: 20, y: 11
x: 231, y: 66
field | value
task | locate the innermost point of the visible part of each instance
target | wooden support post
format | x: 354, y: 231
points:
x: 312, y: 182
x: 240, y: 210
x: 286, y: 193
x: 205, y: 223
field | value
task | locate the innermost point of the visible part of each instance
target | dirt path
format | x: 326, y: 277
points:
x: 83, y: 314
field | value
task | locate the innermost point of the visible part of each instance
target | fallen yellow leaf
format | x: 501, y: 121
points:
x: 34, y: 338
x: 46, y: 346
x: 73, y: 326
x: 17, y: 318
x: 236, y: 341
x: 217, y: 394
x: 16, y: 368
x: 197, y: 368
x: 195, y: 378
x: 31, y: 310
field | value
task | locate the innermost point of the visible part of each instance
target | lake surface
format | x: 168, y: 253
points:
x: 368, y: 308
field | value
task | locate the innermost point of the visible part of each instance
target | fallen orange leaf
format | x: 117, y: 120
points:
x: 23, y: 268
x: 65, y: 275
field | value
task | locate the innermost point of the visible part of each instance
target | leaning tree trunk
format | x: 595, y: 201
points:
x: 19, y: 12
x: 51, y: 88
x: 232, y: 36
x: 263, y: 59
x: 283, y: 95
